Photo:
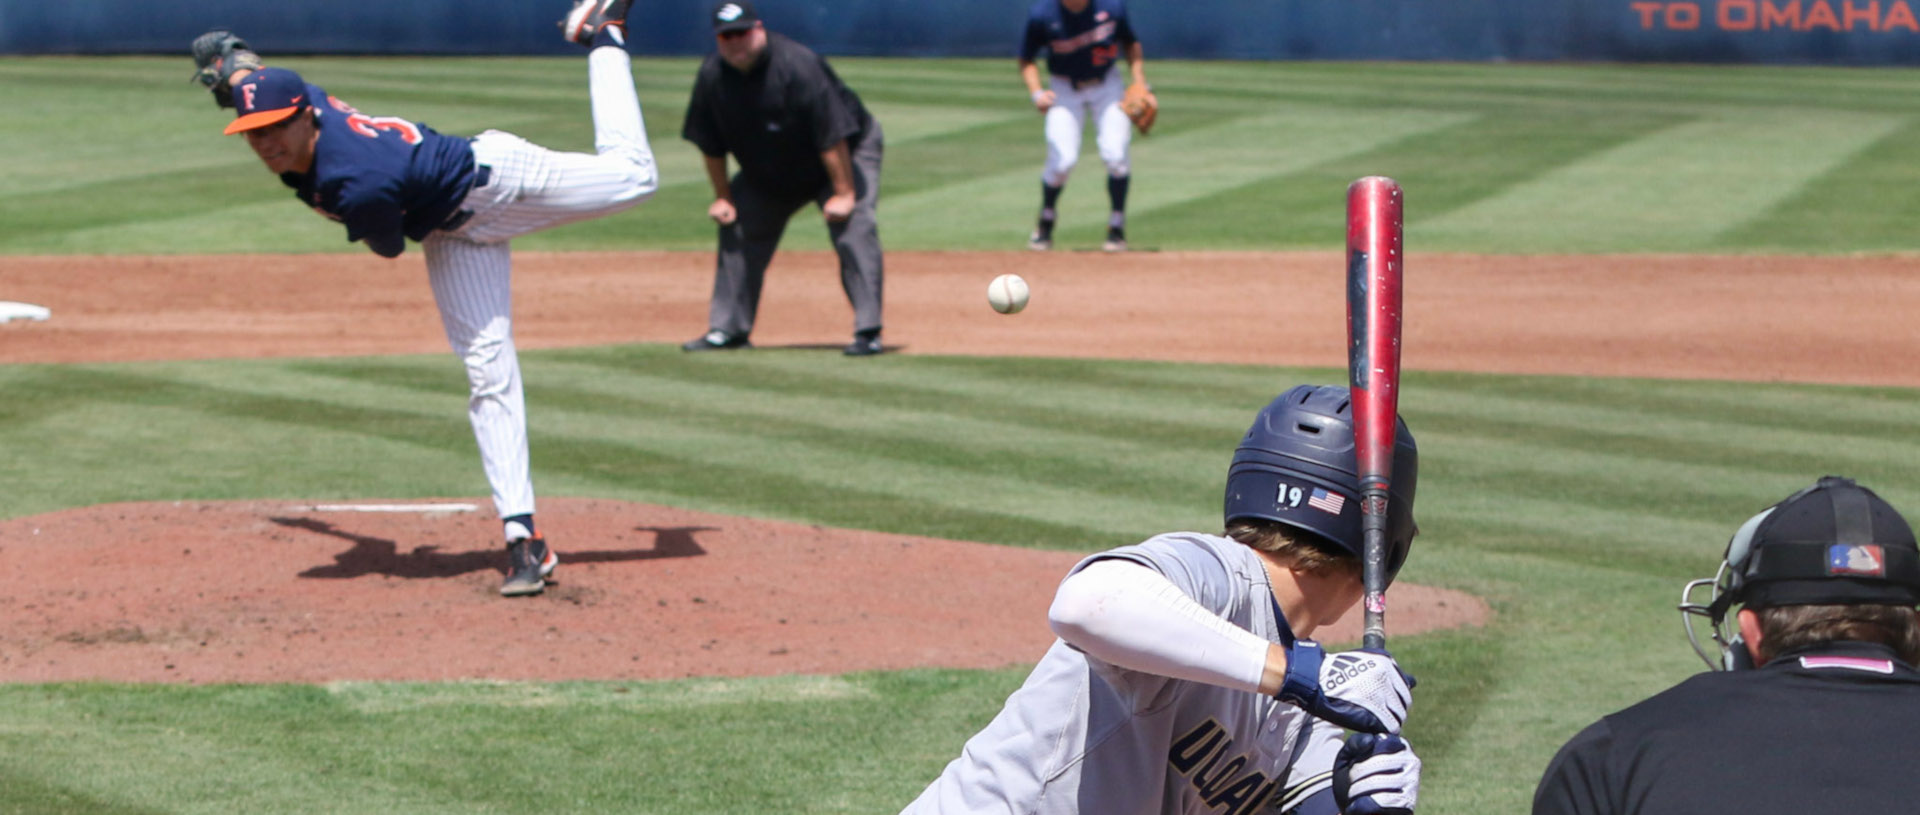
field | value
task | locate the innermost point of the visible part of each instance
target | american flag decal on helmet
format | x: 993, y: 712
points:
x: 1330, y: 502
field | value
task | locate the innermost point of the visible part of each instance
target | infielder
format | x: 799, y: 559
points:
x: 1185, y: 680
x: 1083, y: 39
x: 388, y: 180
x: 1815, y: 702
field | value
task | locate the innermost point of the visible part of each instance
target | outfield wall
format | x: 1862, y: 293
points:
x: 1842, y: 32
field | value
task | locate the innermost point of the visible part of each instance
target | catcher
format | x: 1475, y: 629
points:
x: 389, y: 180
x: 1084, y: 39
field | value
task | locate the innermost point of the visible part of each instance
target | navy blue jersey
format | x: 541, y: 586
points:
x: 387, y: 179
x: 1081, y: 46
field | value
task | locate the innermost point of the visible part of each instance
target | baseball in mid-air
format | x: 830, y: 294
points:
x: 1007, y: 294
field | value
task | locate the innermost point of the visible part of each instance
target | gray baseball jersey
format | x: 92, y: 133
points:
x: 1086, y: 736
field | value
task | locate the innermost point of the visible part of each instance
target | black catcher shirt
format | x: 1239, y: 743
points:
x: 1832, y: 730
x: 777, y: 118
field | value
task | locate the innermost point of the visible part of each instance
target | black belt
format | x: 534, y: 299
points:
x: 1080, y: 84
x: 482, y: 176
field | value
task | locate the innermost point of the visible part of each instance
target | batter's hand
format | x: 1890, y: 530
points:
x: 1376, y: 775
x: 1357, y: 690
x: 838, y: 208
x: 1043, y: 100
x: 722, y: 212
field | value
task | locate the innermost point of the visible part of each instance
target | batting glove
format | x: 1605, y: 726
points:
x: 1376, y: 775
x: 1358, y: 690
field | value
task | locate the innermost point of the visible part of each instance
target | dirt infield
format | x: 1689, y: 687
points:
x: 1802, y: 319
x: 256, y: 591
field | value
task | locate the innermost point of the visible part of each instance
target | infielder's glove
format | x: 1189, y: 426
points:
x: 1141, y: 106
x: 217, y: 54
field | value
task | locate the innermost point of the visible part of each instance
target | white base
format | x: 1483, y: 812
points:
x: 10, y: 311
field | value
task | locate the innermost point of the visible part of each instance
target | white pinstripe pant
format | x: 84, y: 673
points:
x: 470, y: 269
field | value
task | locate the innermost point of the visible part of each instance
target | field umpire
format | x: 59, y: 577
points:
x: 799, y: 135
x: 1827, y: 580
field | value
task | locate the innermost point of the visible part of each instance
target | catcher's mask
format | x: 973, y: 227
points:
x: 1834, y: 543
x: 1296, y: 466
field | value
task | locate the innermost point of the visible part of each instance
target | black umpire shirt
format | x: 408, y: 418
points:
x: 1832, y: 729
x: 777, y: 118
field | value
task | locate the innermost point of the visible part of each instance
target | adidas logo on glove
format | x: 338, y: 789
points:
x: 1345, y: 668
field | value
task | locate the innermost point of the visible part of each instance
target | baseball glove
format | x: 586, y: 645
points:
x: 1141, y: 106
x: 216, y: 55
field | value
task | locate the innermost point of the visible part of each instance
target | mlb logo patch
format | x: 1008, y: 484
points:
x: 1863, y: 560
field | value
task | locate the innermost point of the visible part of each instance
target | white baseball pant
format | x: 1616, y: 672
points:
x: 530, y: 188
x: 1066, y: 120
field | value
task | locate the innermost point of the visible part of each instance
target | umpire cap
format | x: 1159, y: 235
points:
x: 734, y: 15
x: 1834, y: 543
x: 1296, y: 465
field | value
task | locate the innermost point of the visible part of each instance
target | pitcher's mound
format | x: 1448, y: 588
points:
x: 265, y: 591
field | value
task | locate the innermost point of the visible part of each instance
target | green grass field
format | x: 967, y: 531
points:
x: 125, y: 155
x: 1577, y: 507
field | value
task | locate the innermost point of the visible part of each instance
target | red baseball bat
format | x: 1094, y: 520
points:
x: 1374, y: 266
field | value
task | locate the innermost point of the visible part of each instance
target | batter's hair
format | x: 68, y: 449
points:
x: 1788, y: 628
x: 1310, y: 553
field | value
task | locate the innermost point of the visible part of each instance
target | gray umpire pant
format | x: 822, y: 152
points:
x: 747, y: 245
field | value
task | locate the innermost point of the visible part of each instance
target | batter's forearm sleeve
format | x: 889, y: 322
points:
x: 1131, y: 616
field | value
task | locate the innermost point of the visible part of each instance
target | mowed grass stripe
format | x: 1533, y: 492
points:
x: 806, y: 459
x: 811, y: 752
x: 849, y: 443
x: 829, y: 437
x: 1668, y: 435
x: 1674, y: 190
x: 1063, y: 395
x: 1060, y: 393
x: 1863, y: 203
x: 1440, y: 169
x: 1186, y: 166
x: 159, y: 769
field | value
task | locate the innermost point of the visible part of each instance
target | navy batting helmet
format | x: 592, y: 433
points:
x: 1296, y: 466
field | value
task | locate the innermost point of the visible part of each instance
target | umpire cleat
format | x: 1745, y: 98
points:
x: 716, y: 340
x: 528, y: 562
x: 1042, y: 238
x: 865, y: 344
x: 1116, y: 240
x: 588, y: 17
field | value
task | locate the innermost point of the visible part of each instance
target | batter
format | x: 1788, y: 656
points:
x: 1183, y: 680
x: 1083, y: 40
x: 388, y: 180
